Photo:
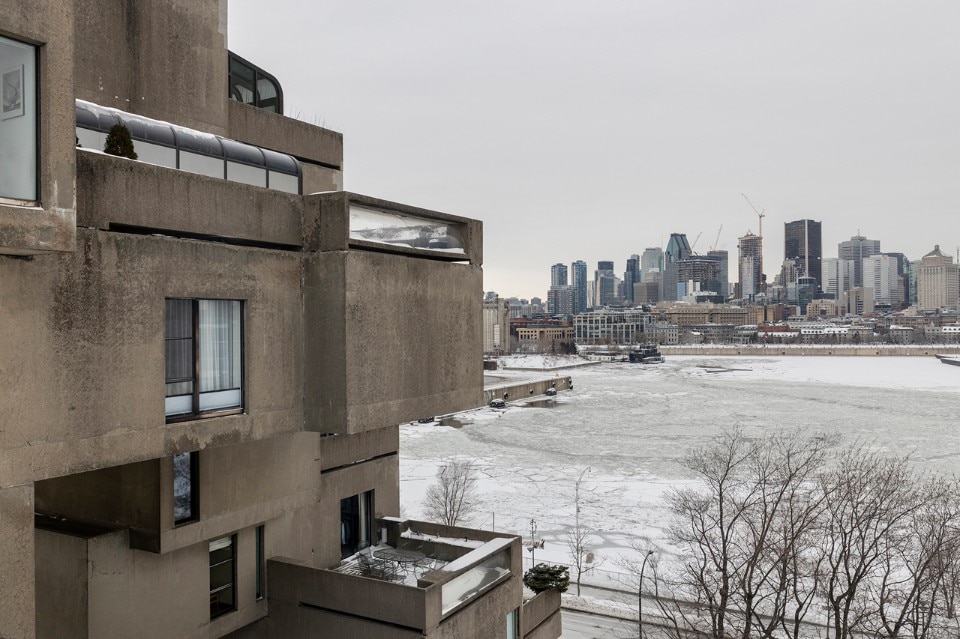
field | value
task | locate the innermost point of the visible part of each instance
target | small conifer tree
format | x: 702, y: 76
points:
x: 119, y: 142
x: 544, y: 577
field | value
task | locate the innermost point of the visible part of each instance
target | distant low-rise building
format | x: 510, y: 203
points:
x: 611, y: 326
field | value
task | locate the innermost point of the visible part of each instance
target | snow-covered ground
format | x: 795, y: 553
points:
x: 628, y: 425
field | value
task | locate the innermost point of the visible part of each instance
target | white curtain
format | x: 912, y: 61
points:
x: 220, y: 368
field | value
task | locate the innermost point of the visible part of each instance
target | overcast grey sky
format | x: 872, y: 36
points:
x: 591, y: 131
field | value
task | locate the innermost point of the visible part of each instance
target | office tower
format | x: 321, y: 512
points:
x: 652, y: 259
x: 579, y: 282
x: 880, y: 274
x: 605, y: 285
x: 630, y: 277
x: 558, y: 275
x: 750, y: 277
x: 802, y: 245
x: 678, y: 248
x: 937, y: 281
x: 855, y: 249
x: 837, y: 277
x: 724, y: 276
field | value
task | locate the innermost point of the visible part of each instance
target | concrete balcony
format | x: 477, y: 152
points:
x: 464, y: 583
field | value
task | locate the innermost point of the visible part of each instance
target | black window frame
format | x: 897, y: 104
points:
x: 261, y: 572
x: 232, y: 583
x: 258, y: 74
x: 196, y: 412
x: 194, y: 490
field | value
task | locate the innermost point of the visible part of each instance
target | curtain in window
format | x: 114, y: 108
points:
x: 219, y: 353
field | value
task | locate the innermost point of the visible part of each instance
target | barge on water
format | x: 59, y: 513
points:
x: 646, y: 354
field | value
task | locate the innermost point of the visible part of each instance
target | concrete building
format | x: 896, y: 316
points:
x: 496, y: 326
x: 937, y: 281
x: 204, y: 368
x: 880, y: 272
x: 856, y: 249
x: 802, y: 245
x: 838, y: 276
x: 561, y: 300
x: 701, y: 273
x: 859, y: 301
x: 605, y: 285
x: 611, y: 326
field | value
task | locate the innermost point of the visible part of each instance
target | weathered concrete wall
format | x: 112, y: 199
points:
x: 137, y: 594
x: 115, y: 190
x: 245, y: 485
x: 61, y: 585
x: 290, y: 583
x: 379, y: 475
x: 385, y: 358
x: 82, y: 336
x: 17, y: 566
x: 342, y: 450
x: 485, y: 617
x: 165, y: 60
x: 525, y: 389
x: 127, y: 496
x: 286, y: 135
x: 50, y: 226
x: 540, y: 616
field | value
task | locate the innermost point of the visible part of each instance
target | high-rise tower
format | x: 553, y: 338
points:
x: 802, y: 246
x: 856, y: 249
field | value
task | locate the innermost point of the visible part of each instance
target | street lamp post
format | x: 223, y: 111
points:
x: 643, y: 566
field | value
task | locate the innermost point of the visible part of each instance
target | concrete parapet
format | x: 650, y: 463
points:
x: 525, y: 389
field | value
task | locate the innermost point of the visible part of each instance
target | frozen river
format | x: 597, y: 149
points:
x: 630, y: 424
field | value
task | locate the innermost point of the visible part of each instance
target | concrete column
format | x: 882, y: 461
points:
x: 17, y: 606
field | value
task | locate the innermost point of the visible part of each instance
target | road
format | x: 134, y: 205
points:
x: 579, y: 625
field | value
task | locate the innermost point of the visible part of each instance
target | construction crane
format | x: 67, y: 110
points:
x: 694, y: 245
x: 760, y: 215
x: 717, y: 241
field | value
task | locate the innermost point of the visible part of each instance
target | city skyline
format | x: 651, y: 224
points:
x: 594, y: 133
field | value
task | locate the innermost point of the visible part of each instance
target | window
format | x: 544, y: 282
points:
x: 356, y: 524
x: 252, y: 85
x: 261, y: 576
x: 513, y: 625
x: 223, y: 576
x: 185, y: 487
x: 18, y: 121
x: 203, y: 357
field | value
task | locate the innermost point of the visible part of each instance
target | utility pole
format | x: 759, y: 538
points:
x: 643, y: 566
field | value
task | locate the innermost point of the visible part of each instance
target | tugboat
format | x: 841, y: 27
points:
x: 646, y: 354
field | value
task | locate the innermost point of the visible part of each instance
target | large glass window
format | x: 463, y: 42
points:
x: 356, y: 523
x: 203, y: 356
x: 18, y: 121
x: 185, y: 487
x: 223, y: 575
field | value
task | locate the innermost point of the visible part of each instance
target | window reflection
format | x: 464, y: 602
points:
x: 18, y: 121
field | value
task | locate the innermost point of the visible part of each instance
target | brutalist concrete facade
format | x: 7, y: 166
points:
x: 336, y: 351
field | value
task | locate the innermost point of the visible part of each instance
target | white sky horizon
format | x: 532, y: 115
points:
x: 592, y: 132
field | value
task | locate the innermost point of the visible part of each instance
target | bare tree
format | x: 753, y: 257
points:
x: 453, y: 497
x: 871, y: 498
